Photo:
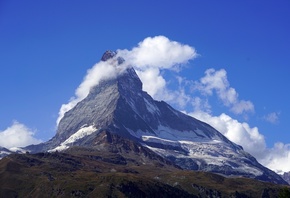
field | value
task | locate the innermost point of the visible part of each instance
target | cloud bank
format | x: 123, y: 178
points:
x: 17, y: 135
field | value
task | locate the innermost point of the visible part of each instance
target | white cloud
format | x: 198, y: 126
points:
x: 152, y: 81
x: 150, y: 56
x: 217, y: 81
x: 242, y: 106
x: 17, y: 135
x: 276, y: 158
x: 158, y: 52
x: 272, y: 117
x: 156, y: 86
x: 200, y: 104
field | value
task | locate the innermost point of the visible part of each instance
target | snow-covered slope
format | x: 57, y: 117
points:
x: 81, y: 133
x: 120, y: 106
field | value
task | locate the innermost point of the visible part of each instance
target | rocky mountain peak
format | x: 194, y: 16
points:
x: 120, y: 106
x: 108, y: 55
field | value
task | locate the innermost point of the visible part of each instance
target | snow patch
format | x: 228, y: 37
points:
x: 172, y: 134
x: 84, y: 131
x: 160, y: 140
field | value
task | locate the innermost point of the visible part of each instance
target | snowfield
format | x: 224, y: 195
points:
x: 81, y: 133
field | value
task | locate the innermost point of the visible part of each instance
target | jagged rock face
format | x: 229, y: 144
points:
x: 119, y: 106
x: 108, y: 55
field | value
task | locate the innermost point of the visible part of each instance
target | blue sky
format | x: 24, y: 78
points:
x: 46, y: 48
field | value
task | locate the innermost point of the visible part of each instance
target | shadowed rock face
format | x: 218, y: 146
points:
x: 120, y: 106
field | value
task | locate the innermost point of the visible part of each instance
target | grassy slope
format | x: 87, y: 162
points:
x: 85, y: 173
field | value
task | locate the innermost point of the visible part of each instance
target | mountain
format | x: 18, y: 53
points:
x: 286, y: 177
x: 119, y: 106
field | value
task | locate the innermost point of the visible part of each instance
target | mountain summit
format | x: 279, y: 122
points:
x: 117, y: 110
x: 108, y: 54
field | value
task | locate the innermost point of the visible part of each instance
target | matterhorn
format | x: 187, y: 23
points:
x: 118, y: 112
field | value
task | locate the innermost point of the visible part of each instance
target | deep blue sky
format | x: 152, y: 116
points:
x: 46, y: 48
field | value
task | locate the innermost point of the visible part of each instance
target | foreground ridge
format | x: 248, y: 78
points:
x: 117, y: 167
